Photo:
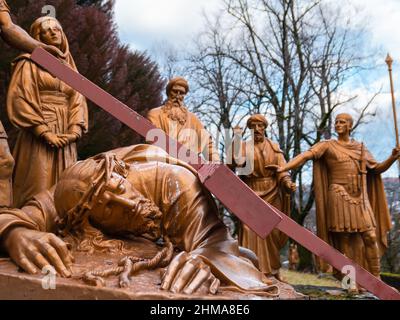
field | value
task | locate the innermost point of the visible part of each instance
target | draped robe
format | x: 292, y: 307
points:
x: 267, y: 185
x: 37, y: 102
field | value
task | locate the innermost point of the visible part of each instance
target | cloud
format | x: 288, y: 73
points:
x: 144, y: 22
x: 379, y: 18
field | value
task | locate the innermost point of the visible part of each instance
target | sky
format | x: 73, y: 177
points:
x: 143, y: 24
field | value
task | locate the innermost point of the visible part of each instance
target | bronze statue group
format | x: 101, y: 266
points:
x: 45, y: 192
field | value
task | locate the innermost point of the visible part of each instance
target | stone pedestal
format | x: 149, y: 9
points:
x: 16, y: 284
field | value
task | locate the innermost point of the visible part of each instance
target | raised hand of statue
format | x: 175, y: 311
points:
x: 396, y: 153
x: 33, y: 250
x: 187, y: 274
x: 54, y: 140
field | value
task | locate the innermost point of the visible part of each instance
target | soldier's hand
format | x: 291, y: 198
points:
x: 396, y: 153
x: 33, y: 250
x: 187, y: 273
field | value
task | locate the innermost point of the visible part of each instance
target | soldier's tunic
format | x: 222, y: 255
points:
x: 349, y: 209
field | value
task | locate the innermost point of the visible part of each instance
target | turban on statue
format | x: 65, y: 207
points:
x: 177, y: 81
x: 257, y: 117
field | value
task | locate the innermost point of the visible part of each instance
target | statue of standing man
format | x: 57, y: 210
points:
x: 272, y: 188
x: 351, y: 207
x: 18, y: 38
x: 180, y: 124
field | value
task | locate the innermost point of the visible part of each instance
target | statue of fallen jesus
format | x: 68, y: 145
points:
x: 137, y: 191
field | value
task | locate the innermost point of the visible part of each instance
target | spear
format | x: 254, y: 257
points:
x: 389, y: 62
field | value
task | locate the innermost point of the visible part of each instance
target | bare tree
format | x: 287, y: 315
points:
x: 218, y: 84
x: 287, y: 59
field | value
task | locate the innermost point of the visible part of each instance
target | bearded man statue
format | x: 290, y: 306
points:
x: 180, y: 124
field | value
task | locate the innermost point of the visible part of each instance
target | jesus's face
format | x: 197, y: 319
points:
x: 121, y: 209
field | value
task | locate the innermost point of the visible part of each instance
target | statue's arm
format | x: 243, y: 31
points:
x: 18, y: 38
x: 385, y: 165
x: 297, y: 161
x: 210, y: 254
x: 28, y: 217
x: 15, y: 36
x: 78, y: 122
x: 26, y: 235
x: 37, y: 214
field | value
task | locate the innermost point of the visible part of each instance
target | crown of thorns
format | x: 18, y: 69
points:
x: 108, y: 163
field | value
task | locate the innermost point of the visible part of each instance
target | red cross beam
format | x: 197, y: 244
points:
x: 219, y: 180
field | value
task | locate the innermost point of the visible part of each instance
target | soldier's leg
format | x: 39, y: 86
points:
x: 342, y: 242
x: 6, y: 171
x: 372, y: 252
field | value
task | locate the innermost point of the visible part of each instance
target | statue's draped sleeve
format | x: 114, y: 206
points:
x: 192, y: 223
x: 38, y: 214
x: 23, y: 102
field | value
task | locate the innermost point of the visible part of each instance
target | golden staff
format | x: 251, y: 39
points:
x: 389, y: 62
